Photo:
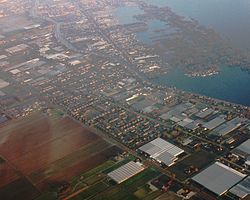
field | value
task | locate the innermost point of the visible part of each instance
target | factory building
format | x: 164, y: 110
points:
x: 162, y: 151
x: 126, y: 171
x: 218, y: 178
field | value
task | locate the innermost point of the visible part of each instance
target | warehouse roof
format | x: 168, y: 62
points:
x: 204, y: 113
x: 162, y: 151
x: 126, y: 171
x: 243, y: 149
x: 218, y: 178
x: 215, y: 122
x: 176, y: 112
x: 242, y: 189
x: 229, y: 126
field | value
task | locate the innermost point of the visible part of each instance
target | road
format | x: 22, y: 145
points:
x: 125, y: 56
x: 57, y: 27
x: 132, y: 69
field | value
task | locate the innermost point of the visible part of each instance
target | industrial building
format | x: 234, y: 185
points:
x: 229, y: 126
x: 162, y: 151
x: 243, y: 150
x: 176, y: 112
x: 218, y: 178
x: 126, y: 171
x: 215, y: 122
x: 205, y: 113
x: 242, y: 189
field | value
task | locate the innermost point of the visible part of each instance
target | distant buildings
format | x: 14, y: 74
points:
x: 205, y: 113
x: 17, y: 48
x: 3, y: 118
x: 3, y: 84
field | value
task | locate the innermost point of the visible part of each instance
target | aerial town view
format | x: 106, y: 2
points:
x: 124, y: 99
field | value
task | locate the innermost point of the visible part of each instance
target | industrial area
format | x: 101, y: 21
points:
x: 80, y: 118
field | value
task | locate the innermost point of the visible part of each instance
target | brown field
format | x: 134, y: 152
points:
x: 47, y: 149
x: 32, y: 133
x: 7, y: 175
x: 38, y: 141
x: 85, y: 164
x: 20, y: 189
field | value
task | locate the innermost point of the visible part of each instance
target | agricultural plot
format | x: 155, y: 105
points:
x: 134, y: 188
x: 8, y: 174
x: 44, y: 152
x: 19, y: 189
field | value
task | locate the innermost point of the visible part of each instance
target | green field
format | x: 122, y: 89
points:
x: 133, y: 189
x: 92, y: 191
x: 127, y: 189
x: 95, y: 178
x: 92, y: 176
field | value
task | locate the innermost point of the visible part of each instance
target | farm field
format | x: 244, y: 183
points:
x: 44, y: 152
x: 8, y: 174
x: 132, y: 189
x: 60, y: 159
x: 19, y: 189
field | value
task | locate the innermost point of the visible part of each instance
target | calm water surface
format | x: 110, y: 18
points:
x: 231, y: 84
x: 231, y: 19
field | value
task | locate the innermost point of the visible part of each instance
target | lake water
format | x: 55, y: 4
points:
x: 231, y: 84
x: 125, y: 14
x: 228, y: 17
x: 154, y: 31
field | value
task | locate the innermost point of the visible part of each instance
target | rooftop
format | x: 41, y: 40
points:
x: 242, y: 189
x: 229, y: 126
x: 204, y: 113
x: 243, y: 149
x: 126, y: 171
x: 218, y: 178
x: 215, y: 122
x: 162, y: 151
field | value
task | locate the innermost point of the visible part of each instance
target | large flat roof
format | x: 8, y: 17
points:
x: 229, y: 126
x: 162, y: 151
x: 215, y: 122
x: 177, y: 110
x: 242, y: 189
x: 218, y: 178
x: 243, y: 149
x: 126, y: 171
x: 204, y: 113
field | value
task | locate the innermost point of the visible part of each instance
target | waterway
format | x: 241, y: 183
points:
x: 230, y: 18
